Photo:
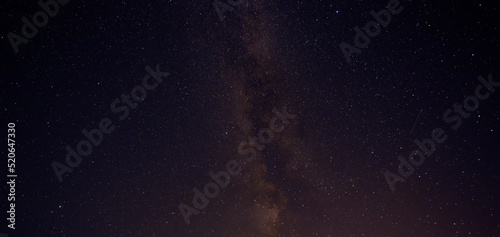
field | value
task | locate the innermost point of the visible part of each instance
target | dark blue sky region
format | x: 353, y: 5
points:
x: 252, y: 118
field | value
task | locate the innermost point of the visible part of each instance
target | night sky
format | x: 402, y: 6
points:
x: 251, y: 118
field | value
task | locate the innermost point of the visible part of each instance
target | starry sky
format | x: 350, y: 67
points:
x: 220, y: 84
